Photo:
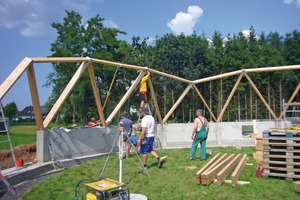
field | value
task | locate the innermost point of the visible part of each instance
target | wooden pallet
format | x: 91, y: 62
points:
x: 281, y: 157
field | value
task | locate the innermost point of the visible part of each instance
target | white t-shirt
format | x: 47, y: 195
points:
x: 149, y: 123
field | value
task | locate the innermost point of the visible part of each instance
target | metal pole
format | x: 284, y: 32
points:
x: 121, y: 146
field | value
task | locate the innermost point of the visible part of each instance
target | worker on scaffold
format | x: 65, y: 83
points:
x: 143, y: 90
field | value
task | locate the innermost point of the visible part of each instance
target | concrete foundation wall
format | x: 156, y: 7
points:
x: 58, y: 144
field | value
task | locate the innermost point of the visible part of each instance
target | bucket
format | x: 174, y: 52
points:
x: 20, y: 163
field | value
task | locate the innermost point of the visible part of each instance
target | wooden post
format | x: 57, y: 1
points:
x: 238, y: 170
x: 14, y: 76
x: 125, y: 97
x: 153, y: 95
x: 290, y: 101
x: 230, y: 97
x: 224, y: 173
x: 206, y: 105
x: 65, y: 93
x: 261, y: 97
x: 35, y: 97
x: 177, y: 103
x: 96, y: 93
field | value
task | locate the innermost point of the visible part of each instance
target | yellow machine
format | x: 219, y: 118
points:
x: 107, y: 189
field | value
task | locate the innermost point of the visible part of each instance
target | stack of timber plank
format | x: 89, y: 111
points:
x: 258, y: 155
x: 220, y: 167
x: 281, y: 155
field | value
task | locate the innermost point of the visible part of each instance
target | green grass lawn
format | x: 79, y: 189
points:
x: 19, y: 134
x: 174, y: 181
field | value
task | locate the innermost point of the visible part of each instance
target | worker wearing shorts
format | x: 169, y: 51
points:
x: 147, y: 137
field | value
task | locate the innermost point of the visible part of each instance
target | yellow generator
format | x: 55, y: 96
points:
x: 103, y: 189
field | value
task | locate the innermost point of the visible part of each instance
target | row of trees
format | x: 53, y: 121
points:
x: 191, y: 57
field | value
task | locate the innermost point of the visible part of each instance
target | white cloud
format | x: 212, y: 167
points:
x: 292, y: 1
x: 110, y: 24
x: 288, y: 1
x: 150, y: 41
x: 246, y: 34
x: 34, y: 17
x: 186, y: 22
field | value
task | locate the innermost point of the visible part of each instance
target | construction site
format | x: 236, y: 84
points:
x: 277, y: 141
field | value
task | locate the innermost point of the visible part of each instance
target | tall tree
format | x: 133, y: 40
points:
x: 10, y: 110
x: 78, y: 39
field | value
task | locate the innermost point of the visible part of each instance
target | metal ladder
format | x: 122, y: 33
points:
x: 4, y: 131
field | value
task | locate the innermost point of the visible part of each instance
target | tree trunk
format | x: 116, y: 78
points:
x: 269, y: 96
x: 165, y: 100
x: 173, y: 101
x: 246, y: 112
x: 210, y: 104
x: 239, y: 106
x: 251, y: 105
x: 74, y: 113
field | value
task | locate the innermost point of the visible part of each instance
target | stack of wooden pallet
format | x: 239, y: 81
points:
x: 220, y: 167
x: 281, y: 155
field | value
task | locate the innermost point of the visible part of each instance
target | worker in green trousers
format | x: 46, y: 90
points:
x: 199, y: 136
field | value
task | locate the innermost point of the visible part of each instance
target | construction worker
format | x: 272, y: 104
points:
x: 128, y: 128
x: 143, y: 90
x: 199, y: 135
x: 147, y: 137
x: 93, y: 123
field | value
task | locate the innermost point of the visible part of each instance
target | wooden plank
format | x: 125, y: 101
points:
x: 275, y: 68
x: 35, y: 97
x: 297, y: 186
x: 14, y: 76
x: 208, y: 177
x: 286, y: 176
x: 206, y: 105
x: 141, y: 68
x: 230, y: 97
x: 187, y: 89
x: 261, y: 97
x: 59, y: 59
x: 238, y: 183
x: 125, y: 97
x: 65, y: 93
x: 220, y: 159
x: 211, y: 78
x: 252, y: 70
x: 96, y: 94
x: 170, y: 76
x: 153, y: 95
x: 224, y: 173
x: 238, y: 170
x: 212, y: 161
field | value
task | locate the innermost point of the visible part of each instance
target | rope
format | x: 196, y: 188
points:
x: 110, y: 87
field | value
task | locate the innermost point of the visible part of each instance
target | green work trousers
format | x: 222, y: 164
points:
x: 200, y: 138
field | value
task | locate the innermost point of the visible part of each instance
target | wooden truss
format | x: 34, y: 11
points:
x: 27, y: 64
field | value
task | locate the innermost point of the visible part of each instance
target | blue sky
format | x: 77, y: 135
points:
x: 25, y: 26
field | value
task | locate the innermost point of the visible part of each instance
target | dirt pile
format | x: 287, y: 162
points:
x: 26, y: 152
